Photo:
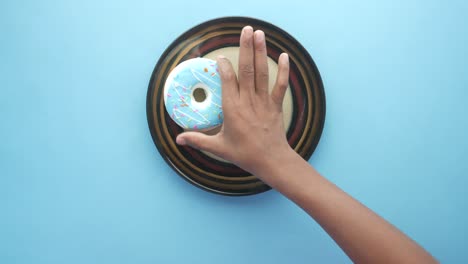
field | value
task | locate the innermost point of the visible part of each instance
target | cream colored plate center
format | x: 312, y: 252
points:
x: 232, y: 53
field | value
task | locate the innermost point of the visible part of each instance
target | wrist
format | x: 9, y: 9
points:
x: 273, y: 168
x: 290, y: 174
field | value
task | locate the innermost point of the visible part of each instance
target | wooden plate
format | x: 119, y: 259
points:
x: 304, y: 104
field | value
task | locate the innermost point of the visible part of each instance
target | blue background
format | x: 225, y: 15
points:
x: 82, y: 182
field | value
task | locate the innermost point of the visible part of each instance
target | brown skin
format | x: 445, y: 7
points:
x: 253, y: 138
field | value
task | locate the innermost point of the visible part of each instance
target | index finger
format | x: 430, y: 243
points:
x: 229, y: 84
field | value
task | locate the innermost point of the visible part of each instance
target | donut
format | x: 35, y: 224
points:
x: 192, y: 94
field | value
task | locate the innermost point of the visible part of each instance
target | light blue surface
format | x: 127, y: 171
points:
x: 82, y: 182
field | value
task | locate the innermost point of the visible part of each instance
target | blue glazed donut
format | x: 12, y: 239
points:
x: 192, y: 94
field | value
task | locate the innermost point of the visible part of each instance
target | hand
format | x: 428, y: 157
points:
x: 253, y: 137
x: 252, y: 134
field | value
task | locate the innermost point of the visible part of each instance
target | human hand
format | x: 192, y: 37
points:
x: 252, y: 134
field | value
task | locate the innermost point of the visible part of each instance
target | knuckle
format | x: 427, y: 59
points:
x: 260, y: 48
x: 263, y: 75
x: 228, y: 76
x: 195, y: 142
x: 247, y: 42
x: 283, y: 84
x: 247, y: 70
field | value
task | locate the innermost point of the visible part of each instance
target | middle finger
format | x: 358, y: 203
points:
x: 246, y: 63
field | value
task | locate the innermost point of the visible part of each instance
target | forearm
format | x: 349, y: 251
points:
x: 363, y: 235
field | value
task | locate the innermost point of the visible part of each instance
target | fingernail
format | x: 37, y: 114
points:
x: 259, y: 36
x: 180, y: 140
x: 247, y: 29
x: 221, y: 57
x: 285, y: 56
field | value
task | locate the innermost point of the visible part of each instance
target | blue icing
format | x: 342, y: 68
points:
x: 179, y: 99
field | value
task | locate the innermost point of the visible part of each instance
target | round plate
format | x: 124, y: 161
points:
x: 306, y: 93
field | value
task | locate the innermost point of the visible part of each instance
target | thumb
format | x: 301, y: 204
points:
x: 199, y: 141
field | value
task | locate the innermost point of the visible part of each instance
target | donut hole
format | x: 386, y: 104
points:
x: 199, y: 94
